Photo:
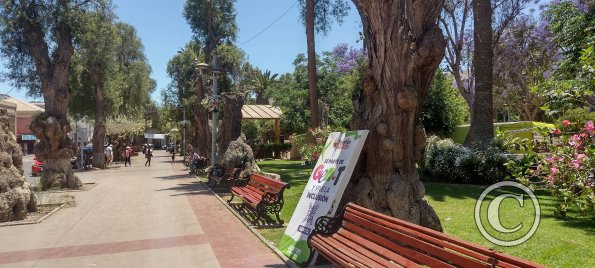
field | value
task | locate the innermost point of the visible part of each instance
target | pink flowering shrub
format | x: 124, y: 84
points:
x: 569, y: 171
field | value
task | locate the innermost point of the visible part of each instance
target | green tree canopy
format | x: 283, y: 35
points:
x: 212, y: 22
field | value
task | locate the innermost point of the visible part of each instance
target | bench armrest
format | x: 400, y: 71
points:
x: 270, y: 198
x: 328, y: 225
x: 240, y: 182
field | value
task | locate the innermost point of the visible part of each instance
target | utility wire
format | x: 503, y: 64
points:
x: 259, y: 33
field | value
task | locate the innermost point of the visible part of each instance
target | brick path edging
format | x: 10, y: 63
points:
x: 262, y: 239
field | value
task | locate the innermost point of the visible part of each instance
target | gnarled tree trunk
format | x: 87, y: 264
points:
x: 16, y: 198
x: 55, y: 149
x: 201, y: 117
x: 231, y: 123
x: 405, y: 46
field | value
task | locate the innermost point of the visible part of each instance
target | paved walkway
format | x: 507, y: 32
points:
x: 138, y: 216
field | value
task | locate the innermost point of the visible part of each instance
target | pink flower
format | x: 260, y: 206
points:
x: 576, y: 164
x: 589, y: 127
x: 555, y: 171
x: 557, y: 131
x: 551, y: 179
x: 566, y: 123
x: 580, y: 157
x: 575, y: 140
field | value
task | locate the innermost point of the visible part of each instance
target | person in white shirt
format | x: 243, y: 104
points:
x: 109, y: 155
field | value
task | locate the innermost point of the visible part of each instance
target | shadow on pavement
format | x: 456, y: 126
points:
x: 192, y: 188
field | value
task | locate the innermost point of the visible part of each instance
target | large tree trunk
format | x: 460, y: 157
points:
x: 314, y: 115
x: 405, y: 47
x: 16, y: 198
x: 55, y: 149
x: 99, y: 130
x: 201, y: 117
x: 482, y: 128
x: 231, y: 123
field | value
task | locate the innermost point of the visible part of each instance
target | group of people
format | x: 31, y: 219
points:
x: 109, y: 155
x: 197, y: 161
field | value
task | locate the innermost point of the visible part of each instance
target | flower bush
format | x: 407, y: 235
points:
x: 311, y: 150
x: 569, y: 172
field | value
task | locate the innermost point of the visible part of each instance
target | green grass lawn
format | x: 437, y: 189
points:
x: 568, y: 242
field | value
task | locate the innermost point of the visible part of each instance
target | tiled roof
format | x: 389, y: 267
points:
x: 23, y: 107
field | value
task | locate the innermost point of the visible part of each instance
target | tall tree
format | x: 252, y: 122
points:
x: 318, y: 16
x: 482, y: 112
x: 110, y: 73
x: 97, y: 42
x: 134, y: 81
x: 405, y: 47
x: 455, y: 22
x: 523, y: 60
x: 314, y: 113
x: 37, y: 40
x: 181, y: 70
x: 212, y: 23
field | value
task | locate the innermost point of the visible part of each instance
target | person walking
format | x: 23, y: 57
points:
x: 173, y: 157
x: 149, y: 155
x: 109, y: 155
x: 127, y: 155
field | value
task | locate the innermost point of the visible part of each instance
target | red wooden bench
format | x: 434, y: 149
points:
x: 262, y: 194
x: 361, y: 237
x: 229, y: 178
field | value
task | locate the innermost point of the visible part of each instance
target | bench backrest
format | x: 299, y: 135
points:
x: 264, y: 184
x: 424, y: 246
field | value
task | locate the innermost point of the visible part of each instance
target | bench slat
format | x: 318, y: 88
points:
x: 367, y: 257
x: 406, y: 252
x: 338, y: 258
x: 466, y: 248
x: 393, y: 259
x: 369, y: 238
x: 399, y: 234
x: 246, y: 194
x: 272, y: 184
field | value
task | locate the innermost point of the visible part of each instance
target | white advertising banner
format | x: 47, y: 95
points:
x: 323, y: 191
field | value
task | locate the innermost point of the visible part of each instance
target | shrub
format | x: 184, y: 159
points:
x: 311, y: 150
x: 444, y: 108
x: 446, y: 161
x: 573, y: 120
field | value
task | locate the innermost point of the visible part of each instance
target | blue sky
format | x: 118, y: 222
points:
x: 163, y: 30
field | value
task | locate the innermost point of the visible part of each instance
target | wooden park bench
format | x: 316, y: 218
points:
x: 228, y: 178
x: 262, y: 194
x: 361, y: 237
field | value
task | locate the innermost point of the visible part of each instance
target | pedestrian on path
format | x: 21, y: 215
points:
x: 109, y: 154
x: 127, y: 155
x: 173, y: 157
x: 149, y: 155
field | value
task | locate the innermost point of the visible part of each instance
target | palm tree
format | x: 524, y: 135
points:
x: 261, y: 83
x: 482, y: 128
x: 314, y: 118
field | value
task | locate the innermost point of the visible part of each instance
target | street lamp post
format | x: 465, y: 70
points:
x: 216, y: 71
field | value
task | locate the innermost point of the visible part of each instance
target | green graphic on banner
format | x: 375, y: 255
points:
x: 323, y: 191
